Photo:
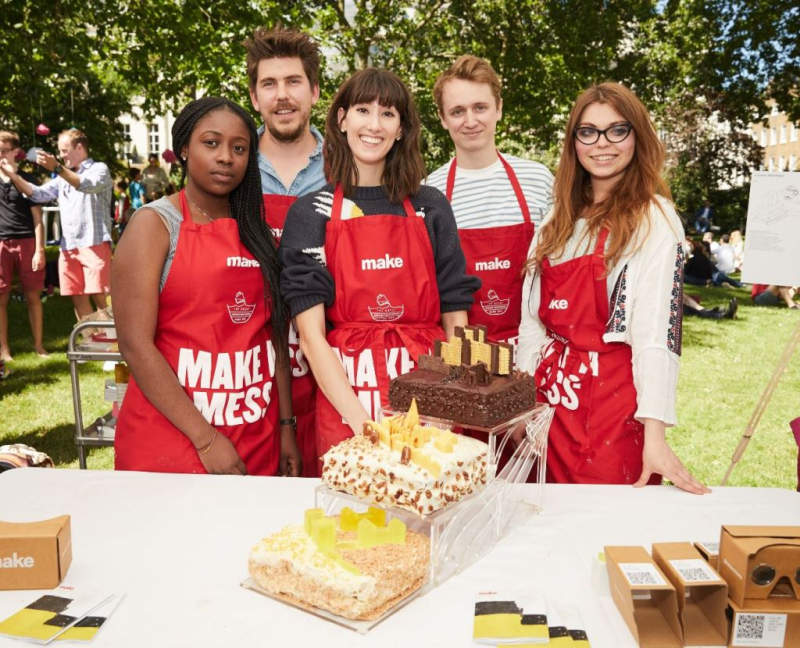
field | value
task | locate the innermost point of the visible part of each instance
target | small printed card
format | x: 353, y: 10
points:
x: 51, y: 615
x: 506, y: 618
x: 87, y: 628
x: 565, y: 627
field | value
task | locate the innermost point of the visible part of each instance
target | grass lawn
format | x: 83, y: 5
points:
x: 725, y: 367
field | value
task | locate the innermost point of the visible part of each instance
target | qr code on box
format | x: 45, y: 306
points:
x: 694, y: 570
x: 754, y: 629
x: 750, y: 626
x: 642, y: 574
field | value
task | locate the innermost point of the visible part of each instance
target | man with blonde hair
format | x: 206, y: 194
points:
x: 497, y: 199
x: 21, y: 247
x: 83, y: 189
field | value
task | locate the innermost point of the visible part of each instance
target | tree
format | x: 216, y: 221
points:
x: 52, y: 72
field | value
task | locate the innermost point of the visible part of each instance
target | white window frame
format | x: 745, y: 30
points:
x: 153, y: 138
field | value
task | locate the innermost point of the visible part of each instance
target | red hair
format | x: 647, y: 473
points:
x: 626, y: 208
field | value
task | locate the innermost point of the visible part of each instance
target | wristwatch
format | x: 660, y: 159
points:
x: 57, y: 169
x: 289, y: 421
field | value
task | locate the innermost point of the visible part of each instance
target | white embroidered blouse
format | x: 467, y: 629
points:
x: 645, y: 308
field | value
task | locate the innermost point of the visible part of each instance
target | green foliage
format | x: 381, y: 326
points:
x: 696, y: 63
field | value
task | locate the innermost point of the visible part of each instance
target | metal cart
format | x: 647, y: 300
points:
x: 101, y: 432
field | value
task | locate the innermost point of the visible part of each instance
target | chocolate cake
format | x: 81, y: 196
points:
x: 467, y: 380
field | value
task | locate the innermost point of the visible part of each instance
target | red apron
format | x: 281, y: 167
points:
x: 212, y: 329
x: 304, y: 387
x: 594, y: 437
x: 386, y: 309
x: 497, y: 255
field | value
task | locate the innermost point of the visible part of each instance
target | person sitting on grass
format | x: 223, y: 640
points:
x: 692, y: 307
x: 701, y: 271
x: 764, y: 295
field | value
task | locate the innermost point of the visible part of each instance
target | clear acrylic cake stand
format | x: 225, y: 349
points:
x: 464, y: 531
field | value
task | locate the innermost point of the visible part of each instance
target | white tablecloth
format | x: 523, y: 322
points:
x: 178, y: 545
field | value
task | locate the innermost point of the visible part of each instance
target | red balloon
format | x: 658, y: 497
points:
x: 42, y: 129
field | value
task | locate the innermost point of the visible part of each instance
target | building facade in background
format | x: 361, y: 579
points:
x: 780, y: 139
x: 144, y: 136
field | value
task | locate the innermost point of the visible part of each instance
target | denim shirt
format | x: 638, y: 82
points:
x: 85, y: 212
x: 309, y: 178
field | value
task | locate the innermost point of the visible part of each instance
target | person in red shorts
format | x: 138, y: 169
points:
x: 83, y: 188
x: 21, y: 247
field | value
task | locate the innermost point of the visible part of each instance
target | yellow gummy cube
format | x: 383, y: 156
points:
x: 375, y: 515
x: 348, y: 519
x: 424, y: 461
x: 395, y: 532
x: 323, y: 533
x: 412, y: 418
x: 312, y: 514
x: 443, y: 444
x: 367, y: 534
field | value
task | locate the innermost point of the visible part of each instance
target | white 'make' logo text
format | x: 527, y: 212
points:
x: 558, y: 304
x: 496, y: 264
x: 15, y: 561
x: 241, y: 262
x: 383, y: 263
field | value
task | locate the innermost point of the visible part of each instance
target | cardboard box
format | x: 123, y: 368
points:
x: 644, y: 597
x: 702, y: 594
x: 710, y: 552
x: 760, y: 563
x: 770, y: 624
x: 34, y: 555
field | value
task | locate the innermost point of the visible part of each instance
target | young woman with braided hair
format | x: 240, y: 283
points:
x: 199, y: 317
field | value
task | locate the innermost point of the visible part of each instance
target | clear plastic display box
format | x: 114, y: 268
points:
x: 464, y: 531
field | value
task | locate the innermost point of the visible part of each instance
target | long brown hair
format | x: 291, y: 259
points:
x: 626, y: 208
x: 404, y: 168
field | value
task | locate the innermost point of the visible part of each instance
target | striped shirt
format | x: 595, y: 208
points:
x: 485, y: 197
x: 85, y: 212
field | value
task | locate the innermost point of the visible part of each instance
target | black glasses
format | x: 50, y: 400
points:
x: 614, y: 134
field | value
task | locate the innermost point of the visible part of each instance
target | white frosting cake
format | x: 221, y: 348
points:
x: 415, y: 468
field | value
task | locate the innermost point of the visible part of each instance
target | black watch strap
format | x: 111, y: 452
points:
x: 57, y: 169
x: 289, y: 421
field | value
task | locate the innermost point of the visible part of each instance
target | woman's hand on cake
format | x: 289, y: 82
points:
x: 291, y: 462
x: 658, y: 457
x: 221, y: 457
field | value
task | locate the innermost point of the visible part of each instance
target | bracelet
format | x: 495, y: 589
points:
x: 206, y: 448
x: 292, y: 420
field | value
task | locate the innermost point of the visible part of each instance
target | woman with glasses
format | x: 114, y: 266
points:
x: 601, y: 302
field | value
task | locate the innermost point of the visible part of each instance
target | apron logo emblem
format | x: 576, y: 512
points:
x: 494, y: 306
x: 495, y: 264
x: 384, y: 311
x: 240, y: 311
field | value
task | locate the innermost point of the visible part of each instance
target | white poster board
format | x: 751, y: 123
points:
x: 772, y: 241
